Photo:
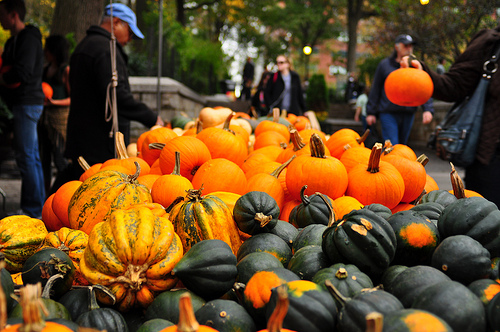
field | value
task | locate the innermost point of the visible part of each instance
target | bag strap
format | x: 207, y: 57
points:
x: 490, y: 66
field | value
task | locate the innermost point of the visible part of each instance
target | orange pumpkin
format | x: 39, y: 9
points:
x: 307, y: 133
x: 254, y: 161
x: 274, y: 125
x: 287, y: 208
x: 269, y: 138
x: 224, y: 143
x: 194, y: 153
x: 413, y: 173
x: 88, y: 170
x: 62, y: 197
x: 220, y: 174
x: 398, y: 149
x: 302, y: 122
x: 148, y: 180
x: 408, y: 87
x: 123, y: 158
x: 376, y: 182
x: 275, y: 321
x: 345, y: 204
x: 168, y: 187
x: 321, y: 173
x: 354, y: 155
x: 271, y: 151
x: 49, y: 218
x: 339, y: 139
x: 158, y: 135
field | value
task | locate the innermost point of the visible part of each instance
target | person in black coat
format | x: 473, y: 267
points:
x: 284, y: 89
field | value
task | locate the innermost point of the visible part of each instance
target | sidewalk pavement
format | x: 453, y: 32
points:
x: 10, y: 180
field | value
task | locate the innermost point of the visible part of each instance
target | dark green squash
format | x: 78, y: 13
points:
x: 362, y: 238
x: 54, y: 308
x: 76, y: 301
x: 166, y: 305
x: 440, y: 196
x: 417, y: 238
x: 462, y: 258
x: 286, y: 231
x: 225, y: 316
x: 354, y: 310
x: 390, y: 274
x: 476, y: 217
x: 410, y: 320
x: 346, y: 278
x: 455, y: 304
x: 253, y: 262
x: 309, y: 235
x: 154, y: 325
x: 307, y: 261
x: 431, y: 210
x: 408, y: 284
x: 379, y: 209
x: 485, y: 289
x: 45, y: 263
x: 256, y: 212
x: 311, y: 308
x: 208, y: 268
x: 266, y: 242
x: 99, y: 318
x: 7, y: 284
x: 314, y: 209
x: 493, y: 313
x: 495, y: 271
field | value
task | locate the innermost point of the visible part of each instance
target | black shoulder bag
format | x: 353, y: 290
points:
x: 455, y: 138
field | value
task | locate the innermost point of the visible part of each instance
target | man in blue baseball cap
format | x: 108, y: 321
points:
x: 89, y: 125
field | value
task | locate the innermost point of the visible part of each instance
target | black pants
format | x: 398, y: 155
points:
x: 485, y: 179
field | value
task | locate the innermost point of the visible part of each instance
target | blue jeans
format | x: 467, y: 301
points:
x: 28, y: 158
x: 396, y: 126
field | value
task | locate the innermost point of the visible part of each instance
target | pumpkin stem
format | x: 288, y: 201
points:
x: 374, y: 322
x: 296, y: 138
x: 423, y: 159
x: 275, y: 322
x: 134, y: 277
x: 174, y: 203
x: 410, y: 58
x: 303, y: 197
x: 121, y: 149
x: 276, y: 115
x: 363, y: 137
x: 284, y: 114
x: 156, y: 146
x: 276, y: 173
x: 262, y: 219
x: 331, y: 214
x: 194, y: 194
x: 50, y: 283
x: 227, y: 122
x: 133, y: 177
x: 341, y: 273
x: 317, y: 146
x: 177, y: 166
x: 253, y: 113
x: 83, y: 163
x: 92, y: 298
x: 199, y: 126
x: 336, y: 293
x: 456, y: 183
x: 374, y: 161
x: 347, y: 147
x: 187, y: 320
x: 33, y: 308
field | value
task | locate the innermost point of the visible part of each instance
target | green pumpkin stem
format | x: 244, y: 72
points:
x: 296, y: 138
x: 93, y: 299
x: 303, y: 197
x: 50, y: 283
x: 187, y: 320
x: 275, y: 322
x: 262, y: 219
x: 374, y: 161
x: 317, y: 146
x: 331, y: 214
x: 341, y: 273
x: 276, y: 173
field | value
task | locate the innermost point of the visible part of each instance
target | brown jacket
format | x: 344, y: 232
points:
x: 461, y: 80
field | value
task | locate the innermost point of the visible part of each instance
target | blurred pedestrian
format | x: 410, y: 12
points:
x: 258, y: 99
x: 396, y: 121
x: 52, y: 124
x: 248, y: 76
x: 23, y: 53
x: 284, y: 89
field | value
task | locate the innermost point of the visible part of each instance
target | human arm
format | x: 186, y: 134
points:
x: 65, y: 101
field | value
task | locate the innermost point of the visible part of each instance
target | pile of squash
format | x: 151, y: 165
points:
x: 268, y: 225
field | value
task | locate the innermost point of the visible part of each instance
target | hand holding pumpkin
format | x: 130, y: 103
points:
x: 427, y: 117
x: 414, y: 63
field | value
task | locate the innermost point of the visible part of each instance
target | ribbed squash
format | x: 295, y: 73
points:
x: 103, y: 193
x: 203, y: 218
x: 72, y: 242
x: 20, y: 237
x: 132, y: 254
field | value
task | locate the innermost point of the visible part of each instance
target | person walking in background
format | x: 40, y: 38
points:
x: 361, y: 103
x: 258, y: 100
x: 23, y: 53
x: 396, y: 121
x: 284, y: 89
x: 460, y: 81
x: 440, y: 66
x: 88, y: 131
x: 52, y: 124
x: 248, y: 76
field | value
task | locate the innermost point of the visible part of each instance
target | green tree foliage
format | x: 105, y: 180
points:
x: 317, y: 93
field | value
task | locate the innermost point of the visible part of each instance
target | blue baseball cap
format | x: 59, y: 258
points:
x: 405, y: 39
x: 125, y: 14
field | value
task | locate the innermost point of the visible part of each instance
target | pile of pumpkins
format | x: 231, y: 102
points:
x: 266, y: 226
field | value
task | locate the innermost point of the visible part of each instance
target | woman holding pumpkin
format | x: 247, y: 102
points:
x: 483, y: 176
x: 396, y: 121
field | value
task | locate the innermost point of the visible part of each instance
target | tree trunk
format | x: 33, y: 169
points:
x: 76, y: 17
x: 354, y: 13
